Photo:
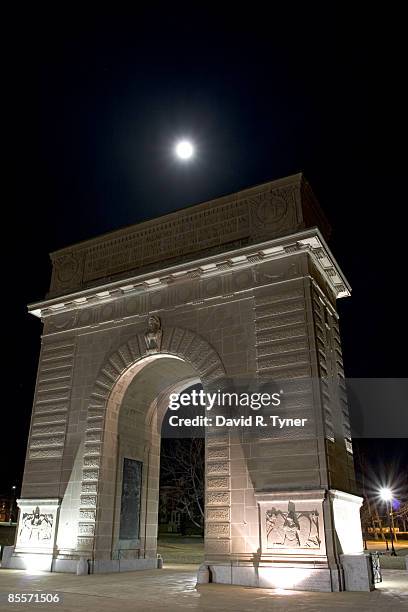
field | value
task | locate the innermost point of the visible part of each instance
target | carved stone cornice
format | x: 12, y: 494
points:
x: 248, y: 217
x: 308, y: 241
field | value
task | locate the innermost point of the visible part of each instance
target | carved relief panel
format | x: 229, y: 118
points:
x: 293, y: 525
x: 37, y: 524
x: 292, y: 529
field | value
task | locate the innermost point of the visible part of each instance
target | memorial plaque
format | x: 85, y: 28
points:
x: 130, y: 501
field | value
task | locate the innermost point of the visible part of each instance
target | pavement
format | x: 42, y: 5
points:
x: 173, y: 589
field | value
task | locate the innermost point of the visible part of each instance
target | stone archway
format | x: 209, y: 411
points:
x: 246, y: 287
x: 192, y: 359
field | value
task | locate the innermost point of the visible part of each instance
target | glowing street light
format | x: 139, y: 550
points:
x: 387, y: 495
x: 184, y: 149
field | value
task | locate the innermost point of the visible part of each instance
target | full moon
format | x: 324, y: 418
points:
x: 184, y: 149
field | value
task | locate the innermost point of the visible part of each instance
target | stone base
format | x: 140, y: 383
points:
x: 47, y: 563
x: 31, y: 562
x: 65, y: 566
x: 122, y: 565
x: 355, y: 575
x: 8, y: 551
x: 357, y: 572
x: 273, y: 577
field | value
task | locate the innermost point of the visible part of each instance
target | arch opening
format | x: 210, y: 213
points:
x: 128, y: 501
x: 182, y: 484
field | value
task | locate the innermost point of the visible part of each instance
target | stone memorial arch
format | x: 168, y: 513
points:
x: 243, y: 286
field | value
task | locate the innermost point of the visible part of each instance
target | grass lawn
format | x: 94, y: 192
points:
x: 180, y: 549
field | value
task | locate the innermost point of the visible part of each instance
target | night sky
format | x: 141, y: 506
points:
x: 94, y: 103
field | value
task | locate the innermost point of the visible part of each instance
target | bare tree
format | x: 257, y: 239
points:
x: 366, y: 520
x: 370, y: 519
x: 402, y: 515
x: 182, y: 468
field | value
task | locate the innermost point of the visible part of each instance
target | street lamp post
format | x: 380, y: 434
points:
x: 13, y: 488
x: 393, y: 553
x: 386, y: 495
x: 386, y: 542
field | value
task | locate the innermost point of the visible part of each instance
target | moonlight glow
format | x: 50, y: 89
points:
x: 184, y: 149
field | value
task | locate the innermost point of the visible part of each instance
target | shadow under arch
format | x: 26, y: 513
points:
x: 125, y: 412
